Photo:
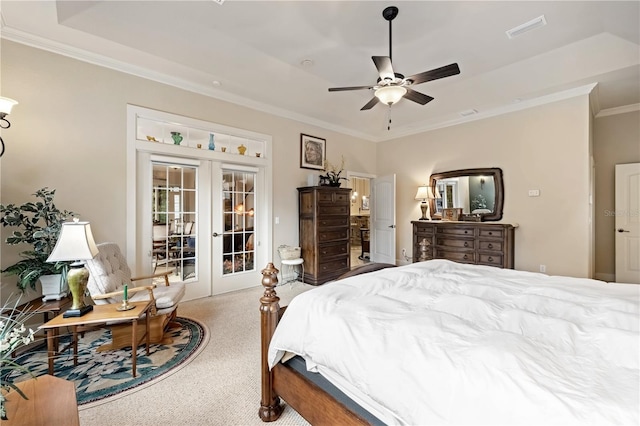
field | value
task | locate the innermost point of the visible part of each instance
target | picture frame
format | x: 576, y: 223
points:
x: 453, y: 214
x: 313, y: 151
x: 365, y: 203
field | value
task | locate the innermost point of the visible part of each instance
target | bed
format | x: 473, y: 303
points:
x: 440, y: 342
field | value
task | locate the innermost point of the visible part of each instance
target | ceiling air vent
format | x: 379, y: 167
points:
x: 468, y: 112
x: 538, y: 22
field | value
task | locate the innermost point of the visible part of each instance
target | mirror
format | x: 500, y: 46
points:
x: 476, y: 191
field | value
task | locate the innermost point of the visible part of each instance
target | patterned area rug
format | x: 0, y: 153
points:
x: 104, y: 376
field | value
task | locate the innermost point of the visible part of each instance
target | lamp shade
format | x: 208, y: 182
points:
x: 6, y: 104
x: 74, y: 243
x: 390, y: 94
x: 422, y: 193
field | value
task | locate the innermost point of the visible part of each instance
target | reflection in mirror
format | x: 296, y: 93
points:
x: 477, y: 192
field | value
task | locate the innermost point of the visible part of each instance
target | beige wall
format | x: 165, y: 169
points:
x: 616, y: 141
x: 545, y: 148
x: 69, y: 130
x: 69, y: 133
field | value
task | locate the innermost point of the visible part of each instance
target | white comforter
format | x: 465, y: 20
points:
x: 439, y: 342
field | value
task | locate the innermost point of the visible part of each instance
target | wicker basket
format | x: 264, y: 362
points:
x: 288, y: 252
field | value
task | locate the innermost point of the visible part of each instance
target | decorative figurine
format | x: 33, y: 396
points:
x: 242, y: 149
x: 212, y: 142
x: 177, y: 137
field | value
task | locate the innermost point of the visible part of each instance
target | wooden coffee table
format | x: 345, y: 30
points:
x: 100, y: 314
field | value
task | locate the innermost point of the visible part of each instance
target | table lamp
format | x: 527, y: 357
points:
x: 424, y: 193
x: 76, y: 244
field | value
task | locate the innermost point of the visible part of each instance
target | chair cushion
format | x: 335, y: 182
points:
x: 166, y: 296
x: 108, y: 271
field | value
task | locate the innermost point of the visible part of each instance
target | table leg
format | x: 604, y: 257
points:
x: 50, y: 351
x: 75, y: 344
x: 147, y: 329
x: 134, y: 345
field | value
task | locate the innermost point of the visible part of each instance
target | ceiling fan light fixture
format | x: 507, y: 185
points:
x: 390, y: 94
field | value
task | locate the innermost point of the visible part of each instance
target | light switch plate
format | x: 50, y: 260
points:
x: 534, y: 193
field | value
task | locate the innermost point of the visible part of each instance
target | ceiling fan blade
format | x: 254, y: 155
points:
x: 418, y: 97
x: 442, y: 72
x: 383, y: 64
x: 340, y: 89
x: 370, y: 104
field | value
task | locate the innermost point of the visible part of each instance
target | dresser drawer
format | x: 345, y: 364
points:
x: 334, y: 210
x: 331, y: 266
x: 333, y: 222
x: 491, y: 233
x: 333, y: 235
x: 490, y: 245
x: 455, y: 243
x: 490, y: 259
x: 458, y: 230
x: 327, y: 250
x: 424, y: 231
x: 333, y: 198
x: 456, y: 256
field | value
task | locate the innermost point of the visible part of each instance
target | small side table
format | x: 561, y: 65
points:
x: 52, y: 401
x: 99, y: 315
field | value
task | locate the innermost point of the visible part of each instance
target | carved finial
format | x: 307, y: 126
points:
x: 269, y: 281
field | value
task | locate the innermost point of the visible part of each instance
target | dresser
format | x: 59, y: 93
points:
x: 324, y: 232
x: 465, y: 242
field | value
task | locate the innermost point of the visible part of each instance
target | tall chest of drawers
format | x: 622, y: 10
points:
x: 466, y: 242
x: 324, y: 232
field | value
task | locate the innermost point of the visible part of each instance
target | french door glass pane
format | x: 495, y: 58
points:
x: 238, y: 213
x: 174, y: 220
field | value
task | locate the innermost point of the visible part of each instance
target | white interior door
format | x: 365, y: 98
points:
x: 383, y: 219
x: 239, y: 227
x: 627, y: 215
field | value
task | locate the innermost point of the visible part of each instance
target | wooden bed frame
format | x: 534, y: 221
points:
x: 309, y: 400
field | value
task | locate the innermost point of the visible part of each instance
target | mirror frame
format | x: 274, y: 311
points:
x: 495, y: 172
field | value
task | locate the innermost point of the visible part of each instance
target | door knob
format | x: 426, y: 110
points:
x: 623, y: 230
x: 392, y: 226
x: 215, y: 234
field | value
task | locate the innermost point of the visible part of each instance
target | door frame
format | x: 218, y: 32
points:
x: 139, y: 150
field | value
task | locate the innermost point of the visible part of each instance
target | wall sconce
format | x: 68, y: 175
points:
x: 6, y: 105
x: 354, y: 197
x: 481, y: 182
x: 425, y: 193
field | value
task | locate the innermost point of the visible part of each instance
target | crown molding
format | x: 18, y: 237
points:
x: 506, y: 109
x: 52, y: 46
x: 618, y: 110
x: 146, y: 73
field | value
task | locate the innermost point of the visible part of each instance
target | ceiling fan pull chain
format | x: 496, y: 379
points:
x: 389, y: 115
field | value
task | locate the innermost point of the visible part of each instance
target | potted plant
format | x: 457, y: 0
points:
x: 332, y: 177
x: 37, y: 224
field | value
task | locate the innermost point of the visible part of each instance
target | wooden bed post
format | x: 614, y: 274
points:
x: 270, y: 407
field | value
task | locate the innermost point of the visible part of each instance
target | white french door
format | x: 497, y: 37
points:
x: 205, y: 214
x: 238, y: 222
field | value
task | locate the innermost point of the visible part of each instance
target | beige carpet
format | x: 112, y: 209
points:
x: 221, y: 386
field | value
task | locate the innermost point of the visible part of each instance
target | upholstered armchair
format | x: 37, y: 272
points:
x: 108, y: 272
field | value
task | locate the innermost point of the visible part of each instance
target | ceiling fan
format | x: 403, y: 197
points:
x: 392, y: 86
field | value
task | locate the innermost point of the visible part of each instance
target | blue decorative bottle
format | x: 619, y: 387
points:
x: 212, y: 143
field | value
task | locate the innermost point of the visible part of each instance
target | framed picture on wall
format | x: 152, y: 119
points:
x: 365, y: 203
x: 313, y: 151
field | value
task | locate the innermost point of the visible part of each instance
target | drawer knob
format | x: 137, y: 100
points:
x: 465, y: 257
x: 490, y: 246
x: 490, y: 259
x: 466, y: 244
x: 490, y: 233
x: 466, y: 232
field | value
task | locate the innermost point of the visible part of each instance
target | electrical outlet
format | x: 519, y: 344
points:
x: 543, y: 268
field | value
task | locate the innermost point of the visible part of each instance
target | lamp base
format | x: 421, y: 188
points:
x: 77, y: 312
